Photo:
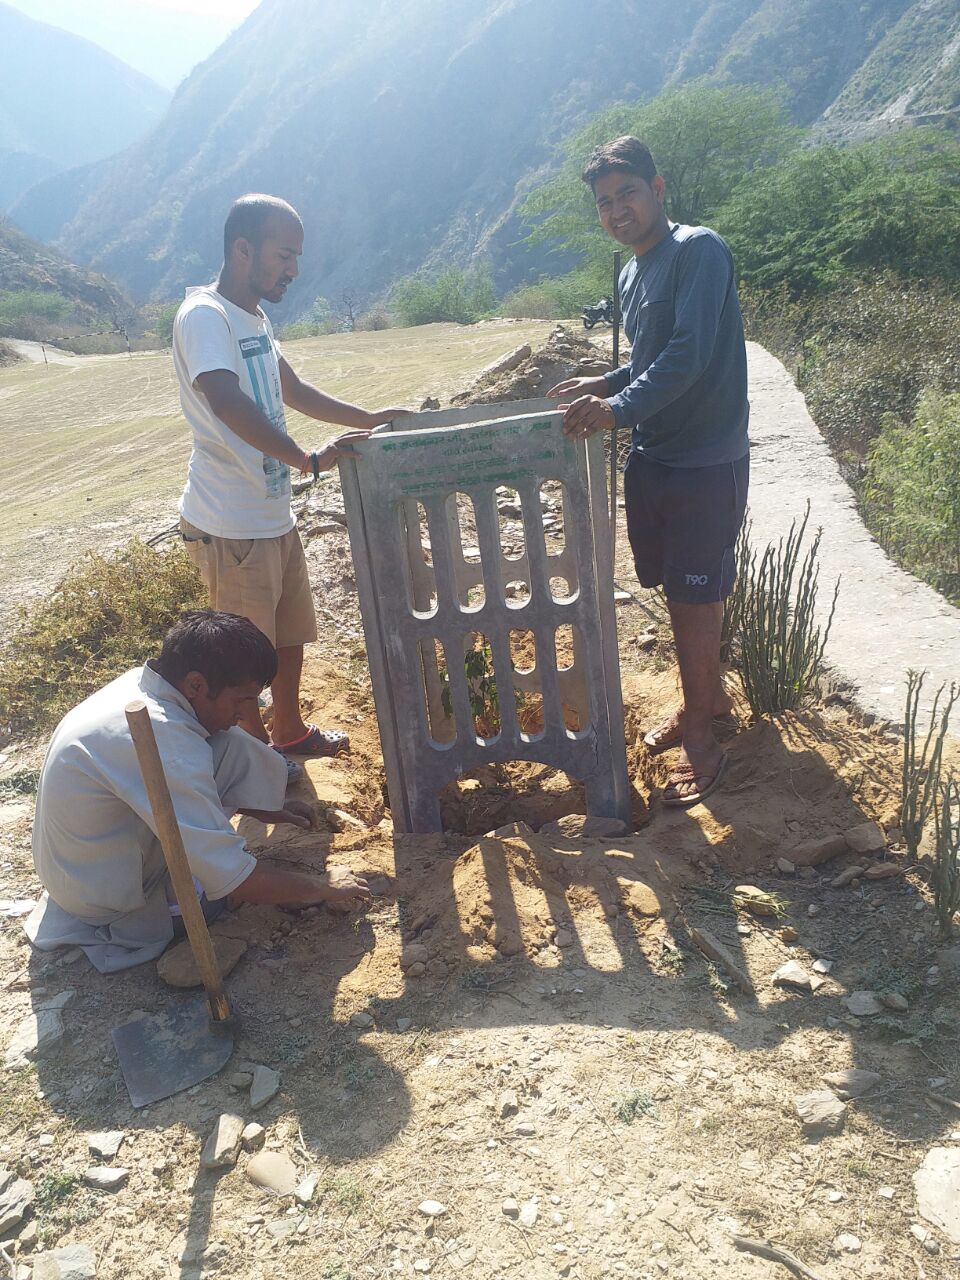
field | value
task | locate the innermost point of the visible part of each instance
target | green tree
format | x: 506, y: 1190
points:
x: 452, y: 295
x: 163, y: 326
x: 912, y: 491
x: 822, y: 213
x: 703, y: 139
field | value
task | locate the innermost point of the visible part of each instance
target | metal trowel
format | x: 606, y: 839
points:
x: 161, y: 1054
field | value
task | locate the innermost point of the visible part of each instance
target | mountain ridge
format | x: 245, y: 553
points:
x: 64, y: 101
x: 410, y: 139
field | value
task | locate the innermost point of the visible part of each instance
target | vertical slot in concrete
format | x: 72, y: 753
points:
x: 438, y: 706
x: 526, y: 681
x: 421, y: 581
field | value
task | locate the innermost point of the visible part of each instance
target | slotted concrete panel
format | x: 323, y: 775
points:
x: 421, y: 596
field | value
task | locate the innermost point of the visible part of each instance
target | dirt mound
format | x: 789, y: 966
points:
x: 535, y: 896
x: 565, y: 354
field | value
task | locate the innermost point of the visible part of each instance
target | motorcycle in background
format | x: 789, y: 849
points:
x: 599, y: 313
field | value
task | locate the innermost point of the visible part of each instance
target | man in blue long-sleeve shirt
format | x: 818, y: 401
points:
x: 684, y: 397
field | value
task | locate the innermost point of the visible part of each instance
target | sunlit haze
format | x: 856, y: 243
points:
x: 164, y: 39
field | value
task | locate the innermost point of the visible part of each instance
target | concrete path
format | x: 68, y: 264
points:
x: 886, y: 620
x: 34, y: 351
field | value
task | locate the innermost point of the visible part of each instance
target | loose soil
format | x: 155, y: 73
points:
x: 535, y: 1022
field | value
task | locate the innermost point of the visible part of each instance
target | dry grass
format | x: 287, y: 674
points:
x: 102, y: 440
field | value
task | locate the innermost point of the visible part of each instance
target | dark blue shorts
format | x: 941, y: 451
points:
x: 683, y: 524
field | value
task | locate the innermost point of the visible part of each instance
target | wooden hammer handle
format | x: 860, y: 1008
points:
x: 171, y: 841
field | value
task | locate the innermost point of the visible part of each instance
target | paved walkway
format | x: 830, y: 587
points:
x: 886, y: 620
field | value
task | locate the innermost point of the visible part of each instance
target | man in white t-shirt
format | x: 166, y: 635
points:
x: 235, y: 510
x: 95, y: 844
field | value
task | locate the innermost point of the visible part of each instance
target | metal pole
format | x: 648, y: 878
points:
x: 615, y: 363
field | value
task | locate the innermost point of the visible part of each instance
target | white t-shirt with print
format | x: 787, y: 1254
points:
x: 232, y: 489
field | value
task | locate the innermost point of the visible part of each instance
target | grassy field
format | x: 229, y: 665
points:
x: 98, y: 447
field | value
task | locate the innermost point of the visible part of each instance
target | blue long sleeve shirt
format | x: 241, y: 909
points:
x: 684, y: 393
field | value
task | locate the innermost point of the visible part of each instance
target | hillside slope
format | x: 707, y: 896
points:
x: 64, y: 102
x: 51, y: 294
x: 410, y: 138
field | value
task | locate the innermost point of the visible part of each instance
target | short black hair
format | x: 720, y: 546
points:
x: 227, y: 650
x: 623, y: 155
x: 248, y: 218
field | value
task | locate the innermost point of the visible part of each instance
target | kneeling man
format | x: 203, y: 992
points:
x: 95, y: 845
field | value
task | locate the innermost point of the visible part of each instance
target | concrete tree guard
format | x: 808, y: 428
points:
x: 427, y: 600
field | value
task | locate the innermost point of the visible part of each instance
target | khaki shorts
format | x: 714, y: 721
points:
x: 263, y: 579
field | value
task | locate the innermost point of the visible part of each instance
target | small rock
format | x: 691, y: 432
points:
x: 563, y: 938
x: 894, y: 1000
x: 745, y: 931
x: 529, y: 1214
x: 416, y: 970
x: 431, y: 1208
x: 74, y: 1262
x: 882, y: 871
x: 404, y: 1024
x: 813, y: 852
x: 509, y: 1103
x: 16, y: 1197
x: 886, y: 1193
x: 512, y: 830
x: 755, y: 900
x: 852, y: 1083
x: 34, y: 1037
x: 573, y: 826
x: 264, y: 1086
x: 820, y: 1112
x: 362, y: 1021
x: 813, y: 910
x: 786, y: 866
x: 937, y: 1184
x: 863, y: 1004
x: 253, y: 1136
x: 415, y: 953
x: 240, y: 1080
x: 103, y: 1177
x: 867, y: 837
x: 788, y: 934
x: 793, y: 975
x: 178, y: 968
x: 423, y: 1265
x: 282, y: 1228
x: 510, y: 1208
x: 847, y: 875
x: 56, y: 1002
x: 274, y: 1171
x: 848, y: 1243
x: 834, y: 1197
x: 822, y: 966
x: 307, y: 1188
x: 525, y: 1129
x: 105, y: 1145
x: 221, y: 1149
x: 343, y: 820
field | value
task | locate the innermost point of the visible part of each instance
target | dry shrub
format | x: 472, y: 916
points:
x: 108, y: 614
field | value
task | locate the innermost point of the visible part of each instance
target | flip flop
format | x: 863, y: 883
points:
x: 687, y: 773
x: 657, y: 742
x: 317, y: 742
x: 294, y: 771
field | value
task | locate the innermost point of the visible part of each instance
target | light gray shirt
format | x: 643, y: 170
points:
x: 95, y: 845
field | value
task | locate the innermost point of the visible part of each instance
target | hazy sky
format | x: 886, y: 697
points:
x: 162, y: 38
